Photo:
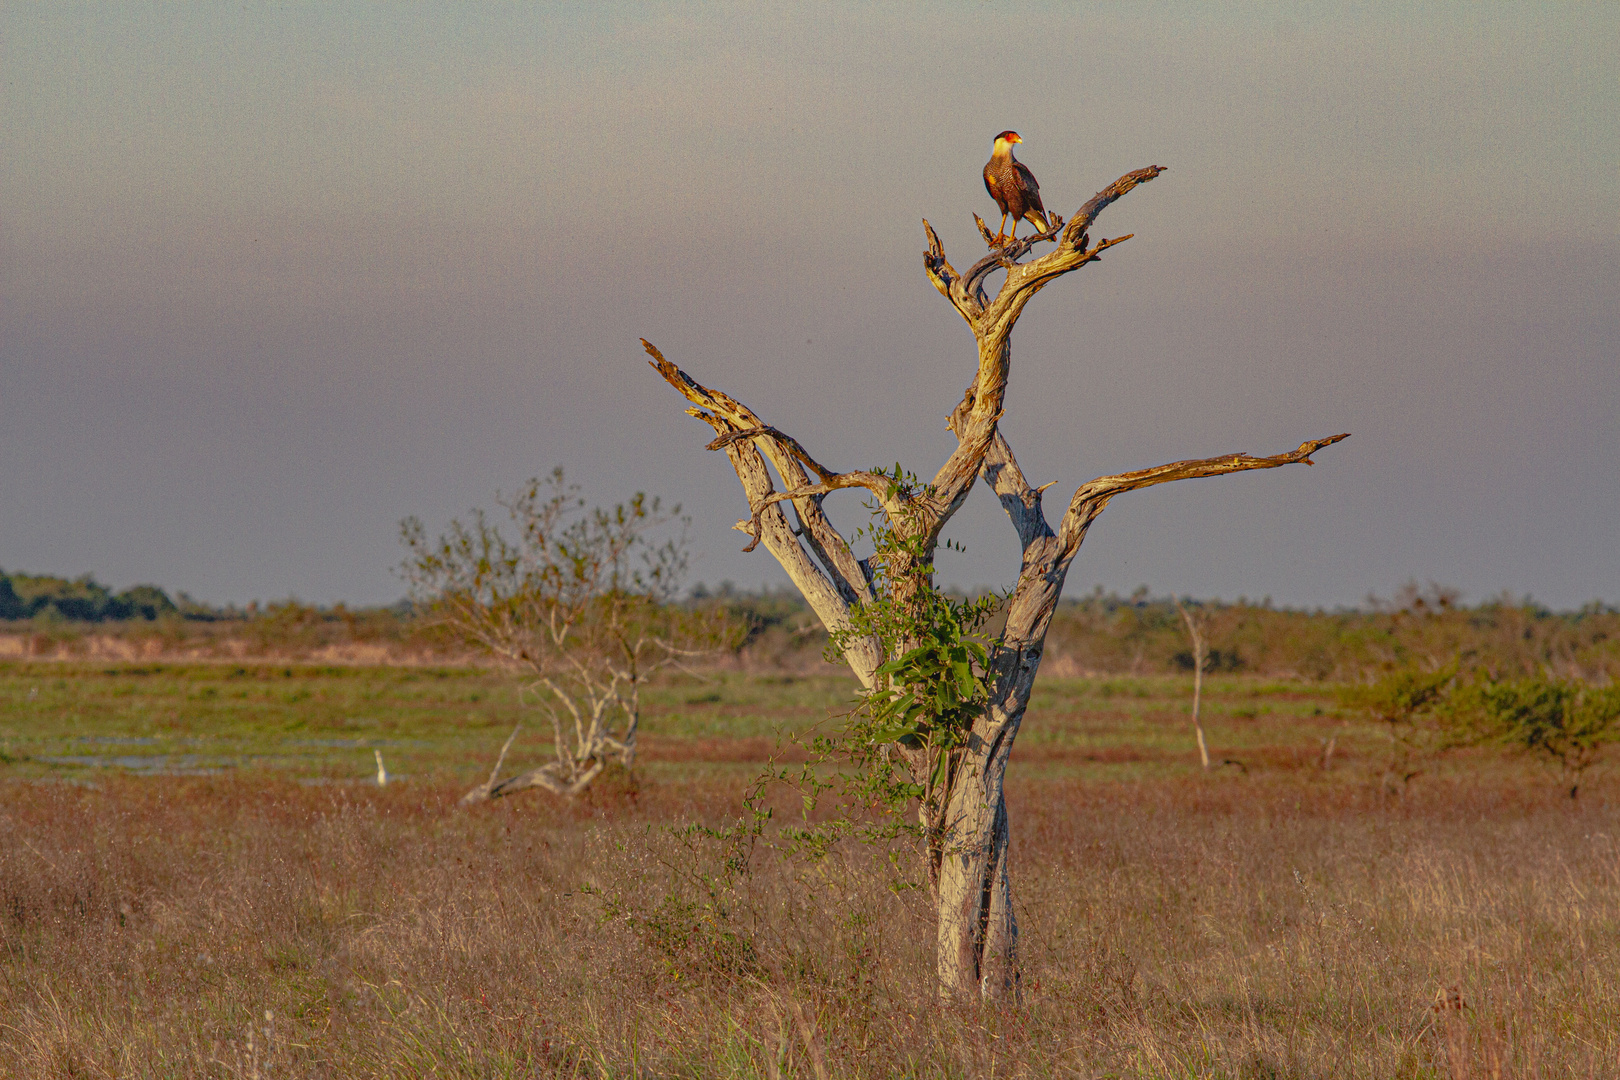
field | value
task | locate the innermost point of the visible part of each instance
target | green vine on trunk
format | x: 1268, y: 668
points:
x: 900, y: 744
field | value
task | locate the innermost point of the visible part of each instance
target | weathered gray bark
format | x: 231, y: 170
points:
x: 580, y: 760
x: 976, y: 945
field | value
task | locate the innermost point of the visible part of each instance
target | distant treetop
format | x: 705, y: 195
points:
x: 24, y: 596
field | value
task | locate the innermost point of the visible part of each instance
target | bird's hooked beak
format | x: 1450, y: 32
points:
x: 1013, y: 138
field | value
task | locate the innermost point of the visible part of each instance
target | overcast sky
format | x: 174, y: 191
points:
x: 271, y: 280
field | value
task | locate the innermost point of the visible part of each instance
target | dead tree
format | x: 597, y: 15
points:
x: 1200, y: 654
x: 977, y: 934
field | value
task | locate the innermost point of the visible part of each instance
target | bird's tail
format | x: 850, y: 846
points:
x: 1038, y: 219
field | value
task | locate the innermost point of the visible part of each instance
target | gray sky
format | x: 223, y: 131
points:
x: 270, y: 281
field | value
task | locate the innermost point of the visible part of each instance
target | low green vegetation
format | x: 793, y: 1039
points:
x: 312, y: 721
x: 1566, y: 723
x: 322, y: 722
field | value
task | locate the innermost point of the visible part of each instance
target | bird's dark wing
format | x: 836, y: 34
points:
x: 994, y: 188
x: 1032, y: 190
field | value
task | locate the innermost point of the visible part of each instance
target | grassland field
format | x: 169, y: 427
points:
x: 200, y: 877
x: 321, y: 723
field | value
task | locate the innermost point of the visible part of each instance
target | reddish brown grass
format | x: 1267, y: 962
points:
x: 1273, y: 925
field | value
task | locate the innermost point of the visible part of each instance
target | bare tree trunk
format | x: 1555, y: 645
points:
x: 1198, y: 680
x: 977, y: 934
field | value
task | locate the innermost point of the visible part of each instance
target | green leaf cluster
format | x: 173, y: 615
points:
x: 901, y: 739
x: 930, y: 695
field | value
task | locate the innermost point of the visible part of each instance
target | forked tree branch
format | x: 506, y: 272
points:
x: 1022, y: 502
x: 992, y: 322
x: 965, y: 291
x: 832, y: 582
x: 1047, y: 553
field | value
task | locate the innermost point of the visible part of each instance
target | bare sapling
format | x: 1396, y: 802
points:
x: 584, y: 603
x: 944, y: 707
x: 1411, y: 707
x: 1200, y: 655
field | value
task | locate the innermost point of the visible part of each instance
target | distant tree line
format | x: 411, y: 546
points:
x: 1425, y: 628
x: 84, y: 599
x: 1101, y: 633
x: 1142, y: 634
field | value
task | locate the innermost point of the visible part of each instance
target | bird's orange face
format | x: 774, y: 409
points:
x: 1008, y: 137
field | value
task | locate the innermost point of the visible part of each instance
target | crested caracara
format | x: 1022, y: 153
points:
x: 1013, y: 187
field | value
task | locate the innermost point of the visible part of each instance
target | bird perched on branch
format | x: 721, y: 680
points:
x: 1013, y: 186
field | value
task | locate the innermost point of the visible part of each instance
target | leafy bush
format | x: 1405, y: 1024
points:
x: 1564, y: 721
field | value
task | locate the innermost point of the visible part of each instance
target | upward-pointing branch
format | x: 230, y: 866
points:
x: 1090, y: 500
x: 833, y: 582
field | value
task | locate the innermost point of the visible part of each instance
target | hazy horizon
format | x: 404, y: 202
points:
x: 272, y: 281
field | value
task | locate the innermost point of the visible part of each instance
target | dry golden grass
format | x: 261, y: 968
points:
x: 1281, y: 924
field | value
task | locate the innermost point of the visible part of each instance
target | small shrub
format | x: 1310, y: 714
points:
x: 1407, y: 706
x: 1564, y: 721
